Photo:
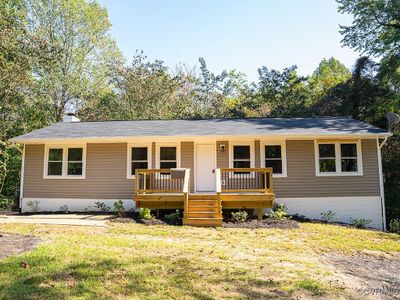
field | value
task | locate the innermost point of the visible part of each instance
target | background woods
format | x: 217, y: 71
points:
x: 58, y: 56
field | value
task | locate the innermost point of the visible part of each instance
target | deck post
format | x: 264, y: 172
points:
x: 260, y: 214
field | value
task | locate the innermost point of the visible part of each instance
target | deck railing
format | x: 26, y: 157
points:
x: 160, y: 181
x: 242, y: 180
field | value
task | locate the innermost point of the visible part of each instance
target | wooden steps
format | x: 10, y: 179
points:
x: 203, y: 210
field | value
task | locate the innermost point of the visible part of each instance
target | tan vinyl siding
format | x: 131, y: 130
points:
x: 187, y: 160
x: 106, y: 170
x: 302, y: 181
x: 223, y: 157
x: 105, y: 175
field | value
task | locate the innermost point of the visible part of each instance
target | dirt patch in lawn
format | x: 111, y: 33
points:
x: 16, y: 243
x: 267, y: 223
x: 135, y: 218
x: 369, y: 276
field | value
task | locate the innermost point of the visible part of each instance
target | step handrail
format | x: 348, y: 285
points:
x: 186, y: 191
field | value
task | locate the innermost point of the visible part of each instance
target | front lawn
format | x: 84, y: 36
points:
x: 171, y: 262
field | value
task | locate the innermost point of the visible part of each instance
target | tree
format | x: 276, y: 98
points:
x: 376, y: 26
x: 146, y: 89
x: 282, y: 94
x: 81, y: 51
x: 361, y: 97
x: 208, y: 96
x: 329, y: 74
x: 18, y: 52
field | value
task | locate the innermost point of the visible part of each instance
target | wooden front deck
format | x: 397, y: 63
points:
x: 235, y: 189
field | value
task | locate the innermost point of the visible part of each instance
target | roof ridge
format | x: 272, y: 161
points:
x: 208, y: 119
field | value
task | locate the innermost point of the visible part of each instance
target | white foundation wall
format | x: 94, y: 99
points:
x: 363, y: 207
x: 74, y: 205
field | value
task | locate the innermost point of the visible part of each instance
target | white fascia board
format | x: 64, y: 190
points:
x: 124, y: 139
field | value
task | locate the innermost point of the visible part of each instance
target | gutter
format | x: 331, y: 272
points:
x: 115, y: 139
x: 21, y: 191
x: 381, y: 181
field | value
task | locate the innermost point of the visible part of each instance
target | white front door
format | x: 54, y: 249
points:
x: 205, y: 165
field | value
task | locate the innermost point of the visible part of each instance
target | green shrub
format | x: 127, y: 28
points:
x: 4, y: 203
x: 119, y: 208
x: 240, y: 216
x: 328, y: 216
x: 102, y: 206
x: 145, y: 213
x: 394, y: 226
x: 278, y: 212
x: 173, y: 218
x: 360, y: 223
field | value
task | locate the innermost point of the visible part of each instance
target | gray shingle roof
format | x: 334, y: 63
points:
x: 206, y: 127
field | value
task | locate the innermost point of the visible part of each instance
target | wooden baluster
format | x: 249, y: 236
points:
x: 271, y: 189
x: 144, y: 182
x: 265, y: 181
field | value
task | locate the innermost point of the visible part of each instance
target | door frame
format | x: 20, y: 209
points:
x: 214, y: 144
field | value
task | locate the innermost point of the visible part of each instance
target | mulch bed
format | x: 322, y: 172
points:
x: 267, y: 223
x: 11, y: 243
x: 135, y: 218
x: 122, y: 220
x: 252, y: 224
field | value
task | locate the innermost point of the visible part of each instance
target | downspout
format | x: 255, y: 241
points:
x: 21, y: 192
x: 381, y: 186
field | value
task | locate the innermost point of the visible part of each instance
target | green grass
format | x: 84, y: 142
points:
x: 166, y: 262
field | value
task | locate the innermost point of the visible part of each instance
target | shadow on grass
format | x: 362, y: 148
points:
x: 77, y: 279
x: 155, y: 277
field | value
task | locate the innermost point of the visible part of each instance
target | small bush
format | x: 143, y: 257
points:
x: 279, y: 212
x: 64, y: 208
x: 328, y: 216
x: 173, y: 218
x: 102, y: 206
x: 145, y: 213
x: 394, y: 226
x: 360, y: 223
x: 240, y: 216
x: 312, y: 286
x: 119, y: 208
x: 6, y: 203
x: 33, y: 205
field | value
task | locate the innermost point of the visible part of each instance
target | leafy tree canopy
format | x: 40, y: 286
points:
x: 376, y: 26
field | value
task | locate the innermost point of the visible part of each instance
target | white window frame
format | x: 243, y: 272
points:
x: 283, y: 155
x: 64, y: 173
x: 129, y: 157
x: 252, y: 156
x: 338, y: 158
x: 178, y: 153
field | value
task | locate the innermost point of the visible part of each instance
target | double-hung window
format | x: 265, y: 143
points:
x: 168, y: 156
x: 241, y: 156
x: 55, y: 162
x: 139, y: 157
x: 338, y: 158
x: 75, y: 162
x: 65, y: 162
x: 168, y: 159
x: 273, y: 155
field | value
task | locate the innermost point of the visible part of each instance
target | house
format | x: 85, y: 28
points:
x: 312, y: 165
